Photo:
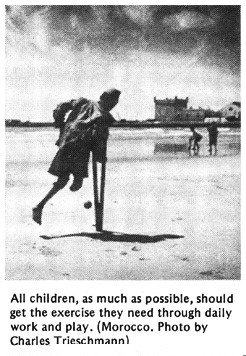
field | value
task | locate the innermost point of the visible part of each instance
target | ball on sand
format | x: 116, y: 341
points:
x: 88, y: 204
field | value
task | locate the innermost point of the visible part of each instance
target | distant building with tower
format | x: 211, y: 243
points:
x: 170, y: 109
x: 176, y: 109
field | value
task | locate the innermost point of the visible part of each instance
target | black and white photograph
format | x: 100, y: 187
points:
x: 123, y: 142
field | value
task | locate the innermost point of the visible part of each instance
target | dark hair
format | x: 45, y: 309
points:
x: 110, y: 94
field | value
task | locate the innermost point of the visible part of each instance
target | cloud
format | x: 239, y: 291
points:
x: 186, y: 20
x: 59, y: 52
x: 141, y: 15
x: 117, y: 29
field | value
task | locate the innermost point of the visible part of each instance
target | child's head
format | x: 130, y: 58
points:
x: 192, y: 128
x: 109, y: 99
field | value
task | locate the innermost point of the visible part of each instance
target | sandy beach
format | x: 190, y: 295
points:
x: 167, y: 215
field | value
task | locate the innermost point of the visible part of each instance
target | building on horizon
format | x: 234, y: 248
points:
x: 176, y: 109
x: 170, y: 109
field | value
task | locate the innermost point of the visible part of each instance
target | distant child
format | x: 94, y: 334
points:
x: 194, y: 139
x: 213, y: 136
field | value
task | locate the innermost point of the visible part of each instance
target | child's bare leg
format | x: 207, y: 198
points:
x: 190, y: 143
x: 196, y: 148
x: 215, y: 150
x: 37, y: 211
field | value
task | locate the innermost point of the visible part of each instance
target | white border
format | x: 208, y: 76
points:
x: 226, y: 340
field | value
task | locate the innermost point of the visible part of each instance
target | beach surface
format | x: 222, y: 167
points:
x: 167, y: 215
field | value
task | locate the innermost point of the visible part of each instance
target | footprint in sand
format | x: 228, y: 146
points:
x: 66, y: 274
x: 183, y: 258
x: 136, y: 249
x: 33, y: 246
x: 46, y: 251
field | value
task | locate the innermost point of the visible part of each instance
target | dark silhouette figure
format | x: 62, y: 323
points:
x: 213, y: 138
x: 194, y: 141
x: 85, y: 130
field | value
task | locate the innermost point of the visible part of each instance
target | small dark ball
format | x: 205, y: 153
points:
x: 88, y: 204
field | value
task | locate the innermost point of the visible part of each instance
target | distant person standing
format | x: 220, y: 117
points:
x: 194, y: 140
x: 213, y: 137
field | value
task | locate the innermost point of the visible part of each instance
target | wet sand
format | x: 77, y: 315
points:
x: 166, y: 216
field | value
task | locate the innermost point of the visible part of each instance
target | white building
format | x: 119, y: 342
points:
x: 232, y: 112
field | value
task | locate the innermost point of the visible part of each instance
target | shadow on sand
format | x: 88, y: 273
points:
x: 117, y: 236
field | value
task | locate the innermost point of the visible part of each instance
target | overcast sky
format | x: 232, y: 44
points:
x: 56, y: 53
